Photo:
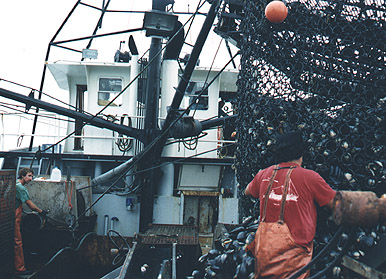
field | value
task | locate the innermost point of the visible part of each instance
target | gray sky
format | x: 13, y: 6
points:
x: 25, y: 30
x: 26, y: 27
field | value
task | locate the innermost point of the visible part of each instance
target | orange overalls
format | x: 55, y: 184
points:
x: 19, y: 255
x: 276, y: 253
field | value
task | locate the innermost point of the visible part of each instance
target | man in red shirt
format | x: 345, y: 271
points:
x: 287, y: 193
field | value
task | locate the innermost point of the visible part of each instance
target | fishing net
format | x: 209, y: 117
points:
x: 321, y: 72
x: 7, y: 224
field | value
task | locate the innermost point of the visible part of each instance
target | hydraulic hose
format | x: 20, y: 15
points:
x: 324, y: 251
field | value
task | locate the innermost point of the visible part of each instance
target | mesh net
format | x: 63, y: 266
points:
x: 7, y: 224
x: 321, y: 72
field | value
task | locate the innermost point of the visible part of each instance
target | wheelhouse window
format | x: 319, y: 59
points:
x: 194, y: 90
x: 108, y: 89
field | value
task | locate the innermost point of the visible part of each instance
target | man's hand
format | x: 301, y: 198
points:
x: 44, y: 212
x: 331, y: 204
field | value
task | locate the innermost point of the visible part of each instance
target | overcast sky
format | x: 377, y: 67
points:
x: 26, y: 28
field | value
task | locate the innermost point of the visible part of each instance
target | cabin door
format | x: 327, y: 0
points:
x: 201, y: 211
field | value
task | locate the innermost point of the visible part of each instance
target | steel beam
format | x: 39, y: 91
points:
x: 90, y: 119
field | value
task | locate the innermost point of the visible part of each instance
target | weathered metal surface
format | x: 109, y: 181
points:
x: 382, y: 208
x: 145, y: 261
x: 90, y: 258
x: 113, y: 274
x: 167, y: 272
x: 127, y: 261
x: 191, y: 211
x: 362, y: 269
x: 57, y: 197
x: 358, y: 208
x: 168, y: 234
x: 81, y: 184
x: 116, y: 206
x: 96, y: 250
x: 207, y: 209
x: 200, y: 211
x: 7, y: 220
x: 206, y: 242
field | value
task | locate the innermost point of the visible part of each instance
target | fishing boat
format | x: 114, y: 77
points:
x: 139, y: 148
x: 143, y: 158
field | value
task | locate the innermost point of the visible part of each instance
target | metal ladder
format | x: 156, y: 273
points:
x: 25, y: 162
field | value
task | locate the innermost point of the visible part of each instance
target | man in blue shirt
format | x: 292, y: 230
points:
x: 22, y: 196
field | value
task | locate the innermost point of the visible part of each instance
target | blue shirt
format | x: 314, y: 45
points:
x: 22, y: 194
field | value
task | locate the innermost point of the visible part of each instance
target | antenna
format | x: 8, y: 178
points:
x: 120, y: 44
x: 133, y: 46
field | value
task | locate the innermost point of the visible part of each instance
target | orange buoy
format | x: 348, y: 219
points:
x: 276, y: 11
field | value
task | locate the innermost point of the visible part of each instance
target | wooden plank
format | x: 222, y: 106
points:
x: 362, y: 269
x: 201, y: 193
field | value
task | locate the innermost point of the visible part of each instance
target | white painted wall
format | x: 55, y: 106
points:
x: 115, y: 206
x: 101, y: 141
x: 166, y: 210
x: 228, y: 210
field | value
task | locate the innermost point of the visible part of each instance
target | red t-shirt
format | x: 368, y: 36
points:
x: 305, y: 188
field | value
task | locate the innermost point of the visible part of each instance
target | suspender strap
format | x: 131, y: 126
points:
x: 275, y: 169
x: 284, y: 196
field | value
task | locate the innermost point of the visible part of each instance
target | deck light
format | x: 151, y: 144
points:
x: 159, y: 24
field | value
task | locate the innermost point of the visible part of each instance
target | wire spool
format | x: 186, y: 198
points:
x: 32, y: 222
x: 124, y: 143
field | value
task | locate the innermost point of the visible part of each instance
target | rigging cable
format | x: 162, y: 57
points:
x: 158, y: 166
x: 28, y: 87
x: 122, y: 250
x: 140, y: 156
x: 133, y: 190
x: 32, y: 113
x: 149, y: 147
x: 124, y: 89
x: 190, y: 19
x: 66, y: 249
x: 324, y: 251
x: 207, y: 76
x: 199, y: 6
x: 135, y: 78
x: 192, y: 143
x: 124, y: 143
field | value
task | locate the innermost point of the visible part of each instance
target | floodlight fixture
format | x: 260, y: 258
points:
x: 159, y: 24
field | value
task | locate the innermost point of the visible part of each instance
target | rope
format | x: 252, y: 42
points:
x: 69, y: 196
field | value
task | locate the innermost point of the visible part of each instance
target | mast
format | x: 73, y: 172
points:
x: 150, y: 125
x: 148, y: 179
